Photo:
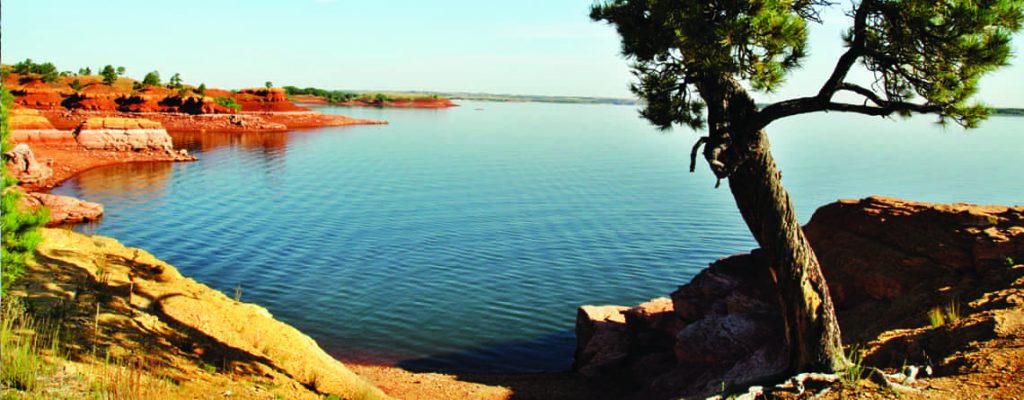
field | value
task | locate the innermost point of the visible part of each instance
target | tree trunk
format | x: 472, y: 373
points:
x: 812, y: 330
x: 741, y: 153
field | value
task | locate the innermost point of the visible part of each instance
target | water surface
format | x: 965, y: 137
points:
x: 464, y: 239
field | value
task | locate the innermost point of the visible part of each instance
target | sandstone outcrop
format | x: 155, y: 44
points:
x: 64, y: 209
x: 30, y: 126
x: 122, y: 134
x: 21, y: 163
x: 887, y: 262
x: 144, y: 310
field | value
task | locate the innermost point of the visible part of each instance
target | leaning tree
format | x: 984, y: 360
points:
x: 697, y: 61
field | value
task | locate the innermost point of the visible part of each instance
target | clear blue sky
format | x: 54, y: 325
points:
x: 546, y: 47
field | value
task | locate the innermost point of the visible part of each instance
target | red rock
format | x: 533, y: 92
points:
x: 37, y: 94
x: 599, y: 339
x: 22, y: 165
x: 879, y: 248
x: 64, y: 209
x: 266, y: 100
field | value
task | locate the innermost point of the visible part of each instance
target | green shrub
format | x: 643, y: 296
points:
x: 47, y: 72
x: 109, y: 74
x: 20, y: 230
x: 175, y: 82
x: 151, y: 79
x: 228, y: 102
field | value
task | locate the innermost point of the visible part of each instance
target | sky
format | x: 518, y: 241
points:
x: 539, y: 47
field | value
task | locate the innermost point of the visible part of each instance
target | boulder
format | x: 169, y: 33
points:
x: 600, y: 341
x: 22, y: 164
x: 64, y: 209
x: 880, y: 248
x: 112, y: 133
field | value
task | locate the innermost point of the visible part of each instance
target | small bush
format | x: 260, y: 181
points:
x: 151, y: 79
x: 228, y: 102
x: 109, y: 74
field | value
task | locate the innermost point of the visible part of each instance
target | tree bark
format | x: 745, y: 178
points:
x: 812, y: 330
x: 737, y: 149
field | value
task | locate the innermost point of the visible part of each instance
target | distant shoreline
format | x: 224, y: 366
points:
x: 525, y: 98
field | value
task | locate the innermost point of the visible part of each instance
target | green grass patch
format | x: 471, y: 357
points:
x: 25, y: 342
x: 854, y: 373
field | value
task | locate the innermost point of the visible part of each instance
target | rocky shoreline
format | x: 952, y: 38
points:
x: 888, y: 263
x: 59, y: 132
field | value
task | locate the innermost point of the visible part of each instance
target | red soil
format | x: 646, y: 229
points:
x: 262, y: 110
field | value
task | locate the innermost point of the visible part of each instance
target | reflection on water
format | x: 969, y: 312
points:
x: 145, y: 180
x: 270, y: 143
x: 460, y: 239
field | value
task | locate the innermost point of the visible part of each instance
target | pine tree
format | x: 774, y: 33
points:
x: 695, y: 60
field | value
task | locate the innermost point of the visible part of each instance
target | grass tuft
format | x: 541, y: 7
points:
x: 941, y: 315
x: 24, y: 341
x: 854, y: 373
x: 935, y: 317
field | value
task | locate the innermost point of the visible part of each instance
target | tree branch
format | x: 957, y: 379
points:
x: 804, y: 105
x: 850, y: 57
x: 863, y: 91
x: 693, y: 153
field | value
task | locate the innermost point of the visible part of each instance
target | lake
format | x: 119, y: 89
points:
x: 464, y: 239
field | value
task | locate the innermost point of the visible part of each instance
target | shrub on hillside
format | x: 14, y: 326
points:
x: 109, y: 74
x: 151, y: 79
x: 228, y: 102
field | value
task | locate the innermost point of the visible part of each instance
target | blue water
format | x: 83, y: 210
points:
x: 464, y: 239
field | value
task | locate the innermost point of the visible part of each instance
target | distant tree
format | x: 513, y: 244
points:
x: 66, y: 73
x: 380, y: 98
x: 109, y: 74
x: 120, y: 71
x: 175, y: 81
x: 85, y: 71
x: 76, y: 85
x: 151, y: 79
x: 24, y: 67
x: 201, y: 90
x: 137, y: 86
x: 689, y: 56
x: 268, y: 84
x: 47, y: 72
